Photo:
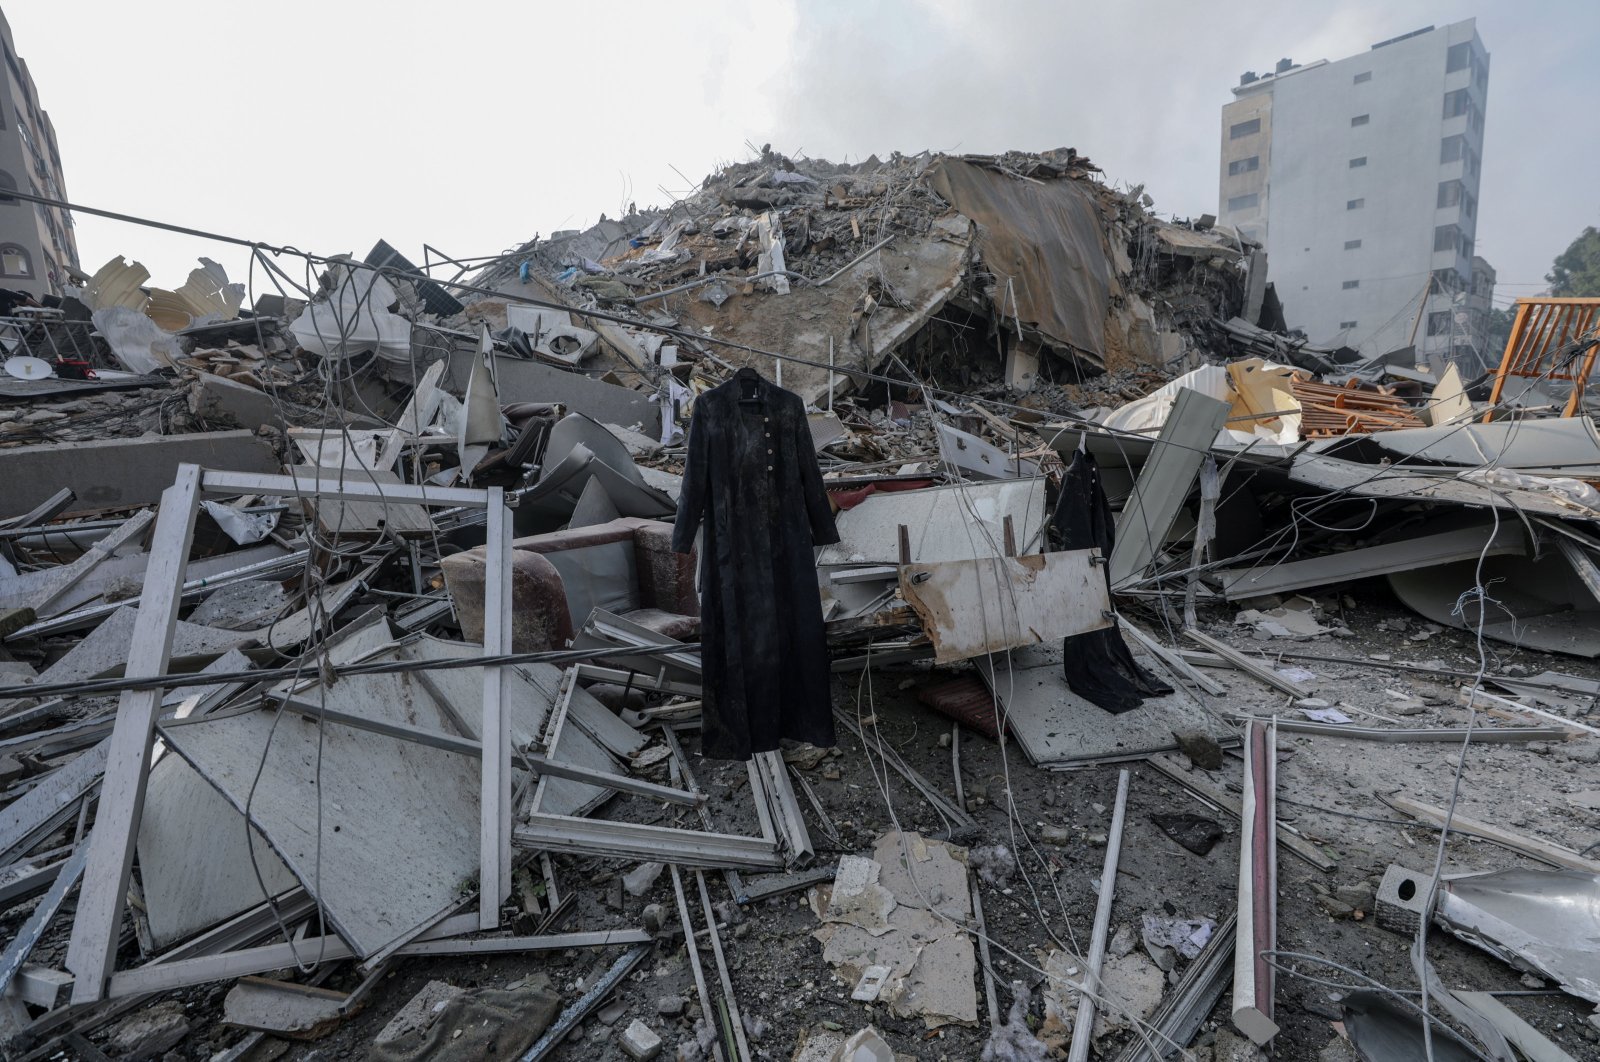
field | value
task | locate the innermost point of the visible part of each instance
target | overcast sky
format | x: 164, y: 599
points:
x: 472, y: 125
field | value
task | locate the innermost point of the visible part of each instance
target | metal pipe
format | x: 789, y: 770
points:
x: 1083, y: 1027
x: 1252, y: 1007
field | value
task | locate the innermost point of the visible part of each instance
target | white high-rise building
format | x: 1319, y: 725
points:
x: 38, y: 247
x: 1360, y: 176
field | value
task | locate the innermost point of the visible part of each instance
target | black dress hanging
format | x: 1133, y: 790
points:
x: 752, y: 482
x: 1099, y: 667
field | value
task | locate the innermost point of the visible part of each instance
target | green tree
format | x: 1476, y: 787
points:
x: 1497, y: 329
x: 1576, y: 273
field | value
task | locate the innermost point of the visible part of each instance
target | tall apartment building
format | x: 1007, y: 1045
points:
x: 1360, y: 177
x: 37, y: 244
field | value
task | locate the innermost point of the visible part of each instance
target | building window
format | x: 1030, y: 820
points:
x: 1439, y: 323
x: 8, y: 183
x: 1347, y: 285
x: 1449, y: 193
x: 1358, y: 162
x: 1361, y: 119
x: 1351, y: 245
x: 1355, y: 204
x: 1451, y: 148
x: 1244, y: 202
x: 1249, y: 165
x: 1365, y: 75
x: 1240, y: 129
x: 1447, y: 279
x: 14, y: 261
x: 1345, y: 326
x: 1447, y: 238
x: 1457, y: 103
x: 1459, y: 57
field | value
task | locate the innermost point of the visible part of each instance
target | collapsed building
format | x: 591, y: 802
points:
x: 350, y: 667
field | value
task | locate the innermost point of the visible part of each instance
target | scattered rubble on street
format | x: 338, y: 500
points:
x: 351, y: 685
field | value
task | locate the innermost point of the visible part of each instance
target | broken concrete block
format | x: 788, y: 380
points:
x: 867, y: 1045
x: 639, y: 880
x: 931, y: 962
x: 858, y: 899
x: 122, y: 473
x: 639, y: 1042
x: 149, y: 1033
x: 420, y: 1012
x: 217, y: 399
x: 1402, y: 894
x: 1130, y: 986
x: 299, y: 1012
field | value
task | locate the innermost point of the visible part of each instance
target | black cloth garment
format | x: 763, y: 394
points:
x: 1099, y: 666
x: 752, y: 482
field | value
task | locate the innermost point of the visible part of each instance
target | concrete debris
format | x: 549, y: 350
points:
x: 150, y: 1033
x: 1131, y: 988
x: 1014, y: 1041
x: 639, y: 1042
x: 904, y: 911
x: 369, y: 605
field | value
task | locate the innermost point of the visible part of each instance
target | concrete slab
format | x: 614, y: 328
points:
x: 122, y: 473
x: 531, y: 381
x: 1056, y: 726
x: 105, y: 650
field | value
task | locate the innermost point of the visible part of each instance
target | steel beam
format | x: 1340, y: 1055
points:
x: 92, y: 953
x: 784, y: 808
x: 228, y: 965
x: 494, y: 836
x: 350, y: 487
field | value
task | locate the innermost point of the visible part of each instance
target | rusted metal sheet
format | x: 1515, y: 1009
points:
x: 974, y: 607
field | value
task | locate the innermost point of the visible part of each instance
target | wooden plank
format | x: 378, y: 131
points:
x: 1186, y: 437
x: 1254, y: 668
x: 92, y: 952
x: 973, y: 608
x: 1544, y: 851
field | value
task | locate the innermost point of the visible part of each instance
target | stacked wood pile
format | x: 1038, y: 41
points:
x: 1354, y: 409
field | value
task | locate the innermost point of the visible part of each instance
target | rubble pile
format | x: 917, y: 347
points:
x: 352, y: 674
